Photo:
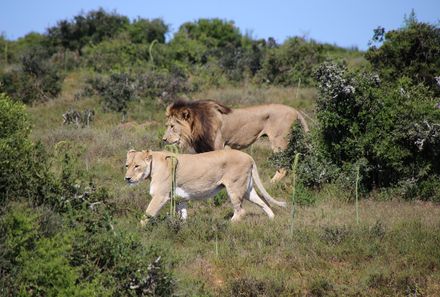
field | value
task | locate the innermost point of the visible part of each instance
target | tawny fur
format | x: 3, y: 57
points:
x: 207, y: 125
x: 199, y: 177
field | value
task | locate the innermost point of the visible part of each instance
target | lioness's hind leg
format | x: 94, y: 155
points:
x: 253, y: 197
x: 237, y: 202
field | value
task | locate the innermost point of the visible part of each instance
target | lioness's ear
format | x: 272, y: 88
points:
x: 186, y: 114
x: 130, y: 152
x: 146, y: 154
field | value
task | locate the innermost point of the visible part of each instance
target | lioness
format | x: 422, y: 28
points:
x: 197, y: 177
x: 207, y: 125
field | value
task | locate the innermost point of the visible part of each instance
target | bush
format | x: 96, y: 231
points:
x: 294, y: 60
x: 146, y: 31
x: 35, y: 79
x: 79, y: 258
x: 365, y: 120
x: 24, y: 165
x: 212, y: 33
x: 411, y: 51
x: 86, y: 29
x: 314, y: 169
x: 121, y: 88
x: 116, y: 55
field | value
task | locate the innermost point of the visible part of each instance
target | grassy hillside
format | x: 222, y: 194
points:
x: 69, y: 224
x: 393, y: 251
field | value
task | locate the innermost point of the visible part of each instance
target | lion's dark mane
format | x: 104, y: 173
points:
x: 204, y: 121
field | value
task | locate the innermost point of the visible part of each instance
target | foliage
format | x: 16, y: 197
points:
x: 412, y: 51
x: 23, y: 164
x: 81, y: 256
x: 121, y: 88
x: 212, y: 33
x: 90, y: 28
x: 314, y: 169
x: 35, y: 79
x: 146, y: 31
x: 292, y: 61
x: 363, y: 118
x: 116, y: 55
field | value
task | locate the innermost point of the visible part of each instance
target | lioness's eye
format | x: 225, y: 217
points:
x: 136, y: 166
x: 126, y: 166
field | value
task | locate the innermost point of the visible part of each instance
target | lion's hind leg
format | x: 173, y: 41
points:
x: 279, y: 175
x: 278, y: 141
x: 253, y: 197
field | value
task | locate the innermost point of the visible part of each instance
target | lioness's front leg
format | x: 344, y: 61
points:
x: 156, y: 204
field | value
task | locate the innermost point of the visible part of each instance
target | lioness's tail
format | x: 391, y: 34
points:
x: 303, y: 122
x: 267, y: 197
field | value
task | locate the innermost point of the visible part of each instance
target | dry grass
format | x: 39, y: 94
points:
x: 251, y: 95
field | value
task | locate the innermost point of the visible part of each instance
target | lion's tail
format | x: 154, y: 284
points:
x: 257, y: 181
x: 303, y: 122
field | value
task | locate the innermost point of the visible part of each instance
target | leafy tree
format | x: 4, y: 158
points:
x: 212, y: 33
x: 90, y: 28
x: 199, y: 41
x: 411, y: 51
x: 146, y: 31
x: 293, y: 60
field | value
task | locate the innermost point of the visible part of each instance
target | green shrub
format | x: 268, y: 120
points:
x: 391, y: 128
x: 314, y: 168
x: 85, y: 29
x: 212, y: 33
x: 35, y: 79
x: 34, y: 264
x: 116, y: 55
x: 146, y: 31
x: 294, y: 60
x: 24, y: 165
x: 83, y: 256
x: 410, y: 51
x: 121, y: 88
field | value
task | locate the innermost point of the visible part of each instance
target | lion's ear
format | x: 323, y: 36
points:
x: 186, y: 114
x: 130, y: 152
x: 168, y: 111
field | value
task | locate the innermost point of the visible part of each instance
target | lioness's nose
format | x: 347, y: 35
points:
x: 164, y: 139
x: 127, y: 178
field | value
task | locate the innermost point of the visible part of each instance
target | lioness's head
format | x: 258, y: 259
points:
x: 138, y: 166
x: 178, y: 128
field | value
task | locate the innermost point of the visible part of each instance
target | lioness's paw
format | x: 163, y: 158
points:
x: 144, y: 222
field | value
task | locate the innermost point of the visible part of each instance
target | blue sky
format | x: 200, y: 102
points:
x: 344, y: 22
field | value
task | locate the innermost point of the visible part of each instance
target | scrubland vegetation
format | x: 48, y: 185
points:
x: 69, y: 223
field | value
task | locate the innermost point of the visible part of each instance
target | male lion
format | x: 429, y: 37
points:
x: 207, y: 125
x: 198, y: 177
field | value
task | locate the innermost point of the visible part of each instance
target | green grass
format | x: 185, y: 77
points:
x: 393, y: 251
